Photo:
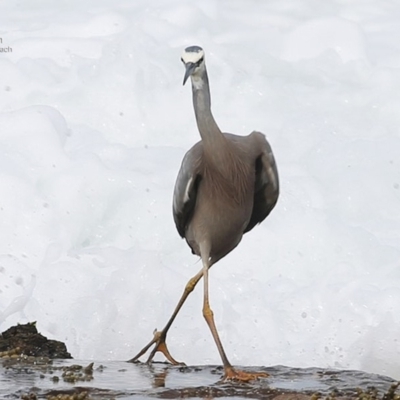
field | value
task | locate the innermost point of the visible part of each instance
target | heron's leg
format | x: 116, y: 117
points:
x: 209, y: 317
x: 230, y: 372
x: 160, y: 336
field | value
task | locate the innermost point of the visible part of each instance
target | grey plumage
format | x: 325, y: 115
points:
x: 226, y: 185
x: 240, y: 171
x: 264, y: 191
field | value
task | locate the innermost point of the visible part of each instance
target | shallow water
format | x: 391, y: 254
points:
x: 94, y: 123
x: 123, y: 380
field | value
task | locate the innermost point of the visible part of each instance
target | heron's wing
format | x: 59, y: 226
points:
x: 266, y: 189
x: 186, y: 185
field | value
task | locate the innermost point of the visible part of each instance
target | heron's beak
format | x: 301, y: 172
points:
x: 190, y: 67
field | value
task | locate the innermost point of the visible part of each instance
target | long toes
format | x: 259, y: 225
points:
x: 242, y: 376
x: 160, y: 346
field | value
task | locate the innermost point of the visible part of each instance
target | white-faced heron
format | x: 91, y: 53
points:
x: 226, y: 185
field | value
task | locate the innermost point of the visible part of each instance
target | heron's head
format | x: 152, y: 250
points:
x: 193, y: 59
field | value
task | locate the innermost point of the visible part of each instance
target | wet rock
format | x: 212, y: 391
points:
x: 26, y: 340
x: 78, y: 373
x: 28, y: 368
x: 168, y: 382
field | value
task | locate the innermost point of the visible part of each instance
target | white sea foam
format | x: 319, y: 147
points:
x: 94, y: 123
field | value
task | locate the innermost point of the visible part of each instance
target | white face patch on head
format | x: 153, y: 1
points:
x: 192, y: 56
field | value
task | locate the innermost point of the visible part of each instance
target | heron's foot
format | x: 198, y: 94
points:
x: 237, y: 375
x: 160, y: 346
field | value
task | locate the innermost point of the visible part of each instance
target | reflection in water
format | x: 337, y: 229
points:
x: 159, y: 377
x: 140, y: 381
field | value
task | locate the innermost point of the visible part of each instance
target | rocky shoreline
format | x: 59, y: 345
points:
x: 47, y: 371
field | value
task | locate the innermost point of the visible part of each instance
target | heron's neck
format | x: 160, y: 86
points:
x: 208, y: 128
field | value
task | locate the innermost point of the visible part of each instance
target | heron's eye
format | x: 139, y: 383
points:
x: 197, y: 63
x: 200, y: 61
x: 182, y: 60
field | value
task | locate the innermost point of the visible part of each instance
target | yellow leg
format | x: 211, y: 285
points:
x: 160, y: 336
x: 209, y: 317
x: 230, y: 372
